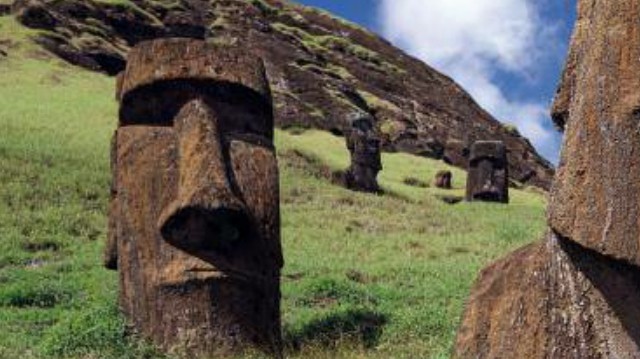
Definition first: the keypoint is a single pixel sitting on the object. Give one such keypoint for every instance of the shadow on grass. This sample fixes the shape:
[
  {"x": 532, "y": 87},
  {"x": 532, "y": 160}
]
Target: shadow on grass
[{"x": 358, "y": 326}]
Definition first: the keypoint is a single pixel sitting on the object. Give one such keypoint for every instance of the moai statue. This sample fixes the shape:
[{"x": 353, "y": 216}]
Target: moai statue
[
  {"x": 363, "y": 143},
  {"x": 443, "y": 179},
  {"x": 575, "y": 293},
  {"x": 194, "y": 216},
  {"x": 488, "y": 178}
]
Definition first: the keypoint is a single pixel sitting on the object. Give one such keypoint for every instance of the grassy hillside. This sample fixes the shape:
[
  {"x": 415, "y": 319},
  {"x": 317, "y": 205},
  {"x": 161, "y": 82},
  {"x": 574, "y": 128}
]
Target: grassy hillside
[{"x": 365, "y": 275}]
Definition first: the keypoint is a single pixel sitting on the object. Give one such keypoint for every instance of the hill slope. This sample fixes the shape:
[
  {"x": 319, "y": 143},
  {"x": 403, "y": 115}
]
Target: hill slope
[
  {"x": 365, "y": 275},
  {"x": 321, "y": 69}
]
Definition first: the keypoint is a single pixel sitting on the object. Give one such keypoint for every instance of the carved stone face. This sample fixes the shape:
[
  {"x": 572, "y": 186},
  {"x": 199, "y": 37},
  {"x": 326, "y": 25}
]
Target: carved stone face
[
  {"x": 487, "y": 178},
  {"x": 364, "y": 145},
  {"x": 197, "y": 214},
  {"x": 595, "y": 197}
]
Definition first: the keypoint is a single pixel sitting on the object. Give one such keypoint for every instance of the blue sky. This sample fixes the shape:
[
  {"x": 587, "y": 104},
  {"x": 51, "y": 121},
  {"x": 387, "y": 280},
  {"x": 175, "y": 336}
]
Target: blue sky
[{"x": 507, "y": 53}]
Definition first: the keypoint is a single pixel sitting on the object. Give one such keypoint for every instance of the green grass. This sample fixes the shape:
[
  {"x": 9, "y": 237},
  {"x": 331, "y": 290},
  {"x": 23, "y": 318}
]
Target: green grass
[{"x": 365, "y": 275}]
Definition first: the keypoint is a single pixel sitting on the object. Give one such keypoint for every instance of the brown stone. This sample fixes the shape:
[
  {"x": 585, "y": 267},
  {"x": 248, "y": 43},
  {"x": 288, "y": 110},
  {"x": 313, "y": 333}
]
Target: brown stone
[
  {"x": 575, "y": 294},
  {"x": 487, "y": 178},
  {"x": 195, "y": 207},
  {"x": 553, "y": 299},
  {"x": 363, "y": 143},
  {"x": 443, "y": 179},
  {"x": 596, "y": 196}
]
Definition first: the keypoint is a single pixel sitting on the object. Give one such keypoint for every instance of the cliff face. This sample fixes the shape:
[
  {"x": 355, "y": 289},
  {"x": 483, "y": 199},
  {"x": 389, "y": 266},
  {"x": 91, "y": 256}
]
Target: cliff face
[{"x": 322, "y": 69}]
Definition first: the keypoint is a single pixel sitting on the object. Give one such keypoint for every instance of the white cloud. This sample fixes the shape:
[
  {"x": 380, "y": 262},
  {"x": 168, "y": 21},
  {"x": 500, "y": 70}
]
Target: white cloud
[{"x": 473, "y": 41}]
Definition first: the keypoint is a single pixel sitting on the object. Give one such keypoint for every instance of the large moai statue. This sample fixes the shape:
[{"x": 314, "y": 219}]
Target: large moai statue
[
  {"x": 363, "y": 143},
  {"x": 195, "y": 204},
  {"x": 488, "y": 179},
  {"x": 576, "y": 293}
]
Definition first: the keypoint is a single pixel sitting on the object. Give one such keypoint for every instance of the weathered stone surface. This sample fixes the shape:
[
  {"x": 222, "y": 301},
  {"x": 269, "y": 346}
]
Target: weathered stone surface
[
  {"x": 553, "y": 299},
  {"x": 321, "y": 69},
  {"x": 364, "y": 146},
  {"x": 575, "y": 294},
  {"x": 487, "y": 178},
  {"x": 596, "y": 200},
  {"x": 443, "y": 179},
  {"x": 195, "y": 201}
]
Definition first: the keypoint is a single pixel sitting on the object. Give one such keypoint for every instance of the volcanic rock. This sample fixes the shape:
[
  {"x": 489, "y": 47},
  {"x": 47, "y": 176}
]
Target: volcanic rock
[
  {"x": 194, "y": 211},
  {"x": 321, "y": 69}
]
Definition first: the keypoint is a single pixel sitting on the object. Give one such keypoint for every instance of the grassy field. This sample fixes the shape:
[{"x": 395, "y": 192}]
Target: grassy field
[{"x": 365, "y": 275}]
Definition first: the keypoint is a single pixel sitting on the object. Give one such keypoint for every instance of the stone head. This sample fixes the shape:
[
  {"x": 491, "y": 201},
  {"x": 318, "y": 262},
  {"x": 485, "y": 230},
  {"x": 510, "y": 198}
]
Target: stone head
[
  {"x": 443, "y": 179},
  {"x": 595, "y": 197},
  {"x": 197, "y": 193},
  {"x": 363, "y": 143},
  {"x": 487, "y": 174}
]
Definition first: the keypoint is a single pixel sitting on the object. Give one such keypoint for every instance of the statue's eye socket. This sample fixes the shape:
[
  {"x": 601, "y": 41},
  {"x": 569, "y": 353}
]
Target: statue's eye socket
[{"x": 237, "y": 108}]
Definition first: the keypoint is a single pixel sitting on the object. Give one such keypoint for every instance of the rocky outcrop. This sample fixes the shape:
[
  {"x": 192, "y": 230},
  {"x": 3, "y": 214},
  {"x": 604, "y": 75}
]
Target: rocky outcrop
[
  {"x": 194, "y": 215},
  {"x": 321, "y": 69},
  {"x": 575, "y": 294}
]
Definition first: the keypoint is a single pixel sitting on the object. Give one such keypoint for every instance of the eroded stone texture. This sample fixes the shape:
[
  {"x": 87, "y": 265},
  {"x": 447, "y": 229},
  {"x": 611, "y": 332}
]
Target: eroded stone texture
[
  {"x": 443, "y": 179},
  {"x": 196, "y": 203},
  {"x": 364, "y": 146},
  {"x": 553, "y": 299},
  {"x": 576, "y": 293},
  {"x": 595, "y": 200},
  {"x": 487, "y": 178}
]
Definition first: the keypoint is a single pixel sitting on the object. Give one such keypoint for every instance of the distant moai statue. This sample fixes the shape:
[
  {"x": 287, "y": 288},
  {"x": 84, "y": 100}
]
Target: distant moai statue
[
  {"x": 194, "y": 214},
  {"x": 488, "y": 178},
  {"x": 443, "y": 179},
  {"x": 363, "y": 143}
]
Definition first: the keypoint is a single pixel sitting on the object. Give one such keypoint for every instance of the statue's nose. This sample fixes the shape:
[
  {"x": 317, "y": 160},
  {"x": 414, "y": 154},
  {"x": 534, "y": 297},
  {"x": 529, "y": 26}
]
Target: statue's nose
[{"x": 206, "y": 213}]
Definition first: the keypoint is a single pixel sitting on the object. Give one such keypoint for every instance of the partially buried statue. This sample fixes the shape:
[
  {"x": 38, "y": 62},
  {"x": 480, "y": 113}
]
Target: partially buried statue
[
  {"x": 443, "y": 179},
  {"x": 363, "y": 143},
  {"x": 488, "y": 179},
  {"x": 194, "y": 216},
  {"x": 575, "y": 294}
]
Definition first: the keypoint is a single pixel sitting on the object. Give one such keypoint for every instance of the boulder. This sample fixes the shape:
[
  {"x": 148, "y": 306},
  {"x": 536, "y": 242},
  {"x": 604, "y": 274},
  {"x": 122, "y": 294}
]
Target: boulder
[{"x": 194, "y": 214}]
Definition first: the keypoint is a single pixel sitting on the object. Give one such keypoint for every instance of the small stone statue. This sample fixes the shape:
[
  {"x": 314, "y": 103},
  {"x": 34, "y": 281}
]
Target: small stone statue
[
  {"x": 194, "y": 214},
  {"x": 364, "y": 145},
  {"x": 488, "y": 177},
  {"x": 443, "y": 179}
]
